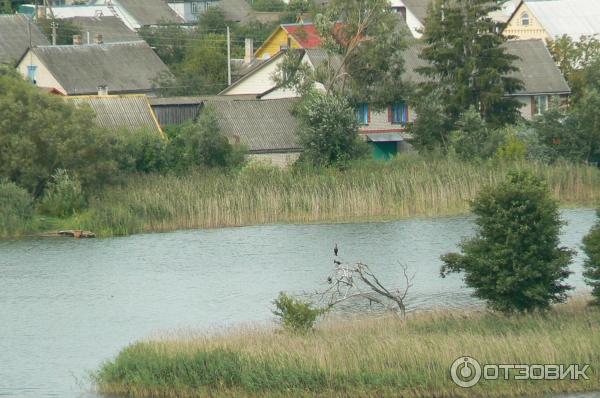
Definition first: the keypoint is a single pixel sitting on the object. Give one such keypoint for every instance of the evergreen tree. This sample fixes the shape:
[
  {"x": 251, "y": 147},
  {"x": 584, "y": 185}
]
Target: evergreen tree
[
  {"x": 514, "y": 262},
  {"x": 591, "y": 247},
  {"x": 468, "y": 62}
]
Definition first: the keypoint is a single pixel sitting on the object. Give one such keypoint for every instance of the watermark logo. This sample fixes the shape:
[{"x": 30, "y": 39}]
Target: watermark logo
[{"x": 467, "y": 372}]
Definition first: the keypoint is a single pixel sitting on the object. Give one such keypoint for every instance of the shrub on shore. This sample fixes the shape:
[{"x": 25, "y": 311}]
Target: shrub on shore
[
  {"x": 16, "y": 209},
  {"x": 514, "y": 262},
  {"x": 363, "y": 357},
  {"x": 63, "y": 196}
]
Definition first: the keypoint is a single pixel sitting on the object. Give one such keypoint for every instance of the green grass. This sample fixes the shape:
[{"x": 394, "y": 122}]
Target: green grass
[
  {"x": 409, "y": 186},
  {"x": 363, "y": 357}
]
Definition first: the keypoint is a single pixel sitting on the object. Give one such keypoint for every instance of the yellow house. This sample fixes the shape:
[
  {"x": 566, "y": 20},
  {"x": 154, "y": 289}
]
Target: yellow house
[
  {"x": 524, "y": 25},
  {"x": 299, "y": 35},
  {"x": 549, "y": 19}
]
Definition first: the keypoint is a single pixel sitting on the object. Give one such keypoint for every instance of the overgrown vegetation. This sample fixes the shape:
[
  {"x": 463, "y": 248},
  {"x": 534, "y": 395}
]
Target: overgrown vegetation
[
  {"x": 328, "y": 130},
  {"x": 295, "y": 315},
  {"x": 514, "y": 262},
  {"x": 363, "y": 357},
  {"x": 408, "y": 186},
  {"x": 16, "y": 209}
]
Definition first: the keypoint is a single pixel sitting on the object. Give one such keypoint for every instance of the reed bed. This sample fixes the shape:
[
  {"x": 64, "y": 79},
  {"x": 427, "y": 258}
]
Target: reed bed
[
  {"x": 409, "y": 186},
  {"x": 363, "y": 357}
]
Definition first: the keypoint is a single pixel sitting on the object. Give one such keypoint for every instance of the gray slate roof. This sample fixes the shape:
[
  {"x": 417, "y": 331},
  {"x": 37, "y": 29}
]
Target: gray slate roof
[
  {"x": 114, "y": 112},
  {"x": 124, "y": 67},
  {"x": 14, "y": 37},
  {"x": 264, "y": 126},
  {"x": 537, "y": 69},
  {"x": 112, "y": 29},
  {"x": 150, "y": 12}
]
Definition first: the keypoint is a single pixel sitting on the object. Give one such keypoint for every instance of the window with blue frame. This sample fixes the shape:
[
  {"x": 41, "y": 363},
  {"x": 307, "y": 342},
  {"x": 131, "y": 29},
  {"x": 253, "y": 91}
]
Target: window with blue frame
[
  {"x": 399, "y": 113},
  {"x": 32, "y": 73},
  {"x": 362, "y": 114}
]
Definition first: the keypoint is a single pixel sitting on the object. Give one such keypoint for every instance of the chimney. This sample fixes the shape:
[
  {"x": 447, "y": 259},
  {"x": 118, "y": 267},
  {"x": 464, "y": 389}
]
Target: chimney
[
  {"x": 103, "y": 90},
  {"x": 98, "y": 39},
  {"x": 249, "y": 53},
  {"x": 77, "y": 40}
]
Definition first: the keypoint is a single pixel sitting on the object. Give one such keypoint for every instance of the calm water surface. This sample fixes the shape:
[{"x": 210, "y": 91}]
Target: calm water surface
[{"x": 66, "y": 305}]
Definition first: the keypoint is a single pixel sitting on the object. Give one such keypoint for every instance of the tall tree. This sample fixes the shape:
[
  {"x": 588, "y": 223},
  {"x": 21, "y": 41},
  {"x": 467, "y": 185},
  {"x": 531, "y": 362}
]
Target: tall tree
[
  {"x": 468, "y": 62},
  {"x": 364, "y": 49},
  {"x": 578, "y": 61}
]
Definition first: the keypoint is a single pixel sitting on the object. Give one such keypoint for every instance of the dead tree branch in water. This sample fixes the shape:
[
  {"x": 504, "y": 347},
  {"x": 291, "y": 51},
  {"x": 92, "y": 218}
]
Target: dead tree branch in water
[{"x": 357, "y": 281}]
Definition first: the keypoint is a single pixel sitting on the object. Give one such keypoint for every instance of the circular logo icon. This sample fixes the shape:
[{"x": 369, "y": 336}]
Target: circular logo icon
[{"x": 465, "y": 372}]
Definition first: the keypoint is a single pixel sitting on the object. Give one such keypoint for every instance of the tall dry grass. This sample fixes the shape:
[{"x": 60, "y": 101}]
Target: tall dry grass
[
  {"x": 363, "y": 357},
  {"x": 406, "y": 187}
]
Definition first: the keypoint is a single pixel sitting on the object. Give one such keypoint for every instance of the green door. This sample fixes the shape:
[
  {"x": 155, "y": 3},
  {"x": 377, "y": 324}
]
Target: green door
[{"x": 384, "y": 150}]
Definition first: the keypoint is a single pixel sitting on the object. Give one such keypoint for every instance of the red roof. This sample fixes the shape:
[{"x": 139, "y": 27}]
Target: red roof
[{"x": 305, "y": 34}]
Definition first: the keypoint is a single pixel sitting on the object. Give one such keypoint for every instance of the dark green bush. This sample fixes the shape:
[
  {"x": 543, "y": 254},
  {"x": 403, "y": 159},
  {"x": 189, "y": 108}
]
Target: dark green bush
[
  {"x": 142, "y": 151},
  {"x": 515, "y": 262},
  {"x": 16, "y": 209},
  {"x": 591, "y": 247},
  {"x": 295, "y": 315}
]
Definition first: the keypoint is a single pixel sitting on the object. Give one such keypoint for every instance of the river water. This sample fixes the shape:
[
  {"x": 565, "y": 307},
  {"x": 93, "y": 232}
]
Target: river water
[{"x": 68, "y": 305}]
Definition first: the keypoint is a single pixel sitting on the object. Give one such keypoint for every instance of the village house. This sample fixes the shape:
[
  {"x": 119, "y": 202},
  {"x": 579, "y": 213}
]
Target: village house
[
  {"x": 133, "y": 13},
  {"x": 551, "y": 19},
  {"x": 15, "y": 38},
  {"x": 111, "y": 29},
  {"x": 121, "y": 112},
  {"x": 385, "y": 129},
  {"x": 116, "y": 68},
  {"x": 266, "y": 128},
  {"x": 189, "y": 10},
  {"x": 293, "y": 36}
]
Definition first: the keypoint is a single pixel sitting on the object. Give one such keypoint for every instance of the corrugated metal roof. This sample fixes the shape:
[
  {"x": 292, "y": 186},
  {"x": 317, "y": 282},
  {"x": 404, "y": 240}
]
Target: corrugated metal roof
[
  {"x": 574, "y": 18},
  {"x": 115, "y": 112},
  {"x": 112, "y": 29},
  {"x": 123, "y": 67},
  {"x": 14, "y": 37},
  {"x": 305, "y": 34},
  {"x": 262, "y": 125}
]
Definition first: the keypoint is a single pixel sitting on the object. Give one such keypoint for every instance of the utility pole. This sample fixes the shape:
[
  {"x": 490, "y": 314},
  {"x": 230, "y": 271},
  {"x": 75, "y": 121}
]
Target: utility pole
[
  {"x": 228, "y": 57},
  {"x": 54, "y": 25}
]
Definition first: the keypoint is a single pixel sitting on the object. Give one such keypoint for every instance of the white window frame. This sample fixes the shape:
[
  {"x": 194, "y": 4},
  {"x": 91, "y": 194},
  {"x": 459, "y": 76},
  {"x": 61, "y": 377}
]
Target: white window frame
[{"x": 541, "y": 104}]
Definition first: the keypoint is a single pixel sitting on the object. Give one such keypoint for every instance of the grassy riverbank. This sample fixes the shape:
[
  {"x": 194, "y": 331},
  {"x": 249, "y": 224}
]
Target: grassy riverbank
[
  {"x": 363, "y": 357},
  {"x": 409, "y": 186}
]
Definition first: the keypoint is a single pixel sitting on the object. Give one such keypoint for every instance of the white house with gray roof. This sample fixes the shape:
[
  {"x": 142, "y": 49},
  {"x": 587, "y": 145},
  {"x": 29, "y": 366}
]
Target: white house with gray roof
[{"x": 116, "y": 68}]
